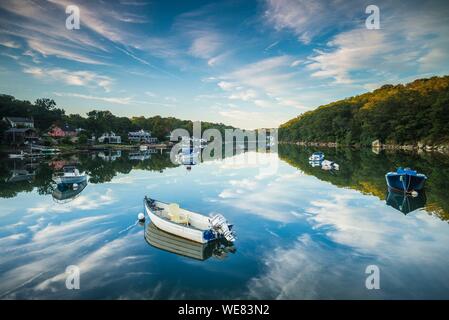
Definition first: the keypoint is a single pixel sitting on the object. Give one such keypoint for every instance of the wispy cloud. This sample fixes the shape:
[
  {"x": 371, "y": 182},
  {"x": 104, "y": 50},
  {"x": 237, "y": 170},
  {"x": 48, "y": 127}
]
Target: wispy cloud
[
  {"x": 115, "y": 100},
  {"x": 10, "y": 44},
  {"x": 76, "y": 78}
]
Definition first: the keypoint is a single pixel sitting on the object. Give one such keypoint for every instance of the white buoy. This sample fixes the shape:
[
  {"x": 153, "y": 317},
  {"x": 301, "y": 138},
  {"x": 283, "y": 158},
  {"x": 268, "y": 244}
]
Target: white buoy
[
  {"x": 75, "y": 186},
  {"x": 414, "y": 194},
  {"x": 141, "y": 217}
]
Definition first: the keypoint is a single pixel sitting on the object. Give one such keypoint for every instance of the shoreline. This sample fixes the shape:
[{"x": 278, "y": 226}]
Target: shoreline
[
  {"x": 73, "y": 149},
  {"x": 442, "y": 149}
]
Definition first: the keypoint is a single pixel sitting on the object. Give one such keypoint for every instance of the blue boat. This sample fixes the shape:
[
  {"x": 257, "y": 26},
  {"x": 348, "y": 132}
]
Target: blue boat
[
  {"x": 405, "y": 180},
  {"x": 405, "y": 202}
]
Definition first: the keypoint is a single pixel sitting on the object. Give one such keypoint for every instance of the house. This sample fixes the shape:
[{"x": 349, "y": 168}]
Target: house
[
  {"x": 20, "y": 136},
  {"x": 19, "y": 122},
  {"x": 141, "y": 136},
  {"x": 62, "y": 132},
  {"x": 111, "y": 138}
]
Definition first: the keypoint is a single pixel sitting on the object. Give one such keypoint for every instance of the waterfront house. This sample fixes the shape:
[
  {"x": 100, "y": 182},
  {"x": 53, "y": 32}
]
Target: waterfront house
[
  {"x": 141, "y": 137},
  {"x": 19, "y": 122},
  {"x": 20, "y": 136},
  {"x": 62, "y": 132},
  {"x": 111, "y": 138}
]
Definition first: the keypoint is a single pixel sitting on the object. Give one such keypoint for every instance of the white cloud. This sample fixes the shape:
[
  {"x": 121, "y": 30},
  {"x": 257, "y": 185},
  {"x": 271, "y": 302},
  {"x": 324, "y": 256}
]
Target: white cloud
[
  {"x": 9, "y": 44},
  {"x": 47, "y": 49},
  {"x": 83, "y": 202},
  {"x": 306, "y": 19},
  {"x": 115, "y": 100},
  {"x": 204, "y": 44},
  {"x": 75, "y": 78},
  {"x": 244, "y": 95}
]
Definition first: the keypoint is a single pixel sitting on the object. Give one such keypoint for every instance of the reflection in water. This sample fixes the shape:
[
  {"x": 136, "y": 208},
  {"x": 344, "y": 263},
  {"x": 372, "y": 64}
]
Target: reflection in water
[
  {"x": 365, "y": 171},
  {"x": 65, "y": 192},
  {"x": 303, "y": 232},
  {"x": 165, "y": 241},
  {"x": 406, "y": 203}
]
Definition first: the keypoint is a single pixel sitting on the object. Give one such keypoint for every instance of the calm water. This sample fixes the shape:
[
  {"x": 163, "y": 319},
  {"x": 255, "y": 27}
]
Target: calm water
[{"x": 302, "y": 232}]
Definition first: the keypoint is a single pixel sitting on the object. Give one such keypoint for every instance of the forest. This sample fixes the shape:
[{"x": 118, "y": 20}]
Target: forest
[
  {"x": 417, "y": 112},
  {"x": 46, "y": 113}
]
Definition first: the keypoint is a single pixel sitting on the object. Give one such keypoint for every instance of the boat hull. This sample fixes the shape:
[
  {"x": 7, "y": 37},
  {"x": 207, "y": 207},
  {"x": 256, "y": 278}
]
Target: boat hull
[
  {"x": 178, "y": 245},
  {"x": 405, "y": 182},
  {"x": 404, "y": 202},
  {"x": 69, "y": 180},
  {"x": 176, "y": 229}
]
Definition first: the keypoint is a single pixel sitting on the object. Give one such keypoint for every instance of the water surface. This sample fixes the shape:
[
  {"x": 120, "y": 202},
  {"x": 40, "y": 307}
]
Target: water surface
[{"x": 302, "y": 232}]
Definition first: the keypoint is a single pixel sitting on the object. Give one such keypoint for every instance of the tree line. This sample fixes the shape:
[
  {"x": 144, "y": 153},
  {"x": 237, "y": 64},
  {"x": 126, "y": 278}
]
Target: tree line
[
  {"x": 394, "y": 114},
  {"x": 46, "y": 113}
]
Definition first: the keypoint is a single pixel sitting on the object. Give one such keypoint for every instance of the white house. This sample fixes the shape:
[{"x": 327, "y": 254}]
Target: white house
[
  {"x": 141, "y": 136},
  {"x": 19, "y": 122},
  {"x": 110, "y": 137}
]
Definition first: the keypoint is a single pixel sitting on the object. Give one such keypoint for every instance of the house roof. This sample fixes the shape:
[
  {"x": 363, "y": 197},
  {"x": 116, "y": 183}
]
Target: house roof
[{"x": 19, "y": 119}]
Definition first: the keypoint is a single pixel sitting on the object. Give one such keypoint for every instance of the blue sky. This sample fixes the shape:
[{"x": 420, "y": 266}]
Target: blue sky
[{"x": 246, "y": 63}]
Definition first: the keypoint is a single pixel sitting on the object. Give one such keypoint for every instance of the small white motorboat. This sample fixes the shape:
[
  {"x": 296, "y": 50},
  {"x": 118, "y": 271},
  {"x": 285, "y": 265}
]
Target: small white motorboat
[
  {"x": 69, "y": 175},
  {"x": 20, "y": 155},
  {"x": 317, "y": 156},
  {"x": 187, "y": 224},
  {"x": 181, "y": 246},
  {"x": 329, "y": 165}
]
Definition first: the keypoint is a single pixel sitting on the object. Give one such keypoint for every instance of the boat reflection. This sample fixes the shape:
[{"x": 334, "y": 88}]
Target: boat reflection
[
  {"x": 405, "y": 202},
  {"x": 168, "y": 242},
  {"x": 66, "y": 192}
]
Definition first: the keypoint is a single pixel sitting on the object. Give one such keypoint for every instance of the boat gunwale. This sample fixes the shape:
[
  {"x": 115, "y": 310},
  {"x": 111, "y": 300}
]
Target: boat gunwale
[{"x": 188, "y": 226}]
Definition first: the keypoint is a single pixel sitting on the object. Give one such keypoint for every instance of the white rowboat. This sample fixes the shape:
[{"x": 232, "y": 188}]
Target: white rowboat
[{"x": 187, "y": 224}]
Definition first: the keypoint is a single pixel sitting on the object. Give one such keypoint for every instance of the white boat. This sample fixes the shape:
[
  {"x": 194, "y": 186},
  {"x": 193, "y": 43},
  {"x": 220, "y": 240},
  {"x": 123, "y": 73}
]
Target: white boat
[
  {"x": 69, "y": 175},
  {"x": 329, "y": 165},
  {"x": 187, "y": 224},
  {"x": 317, "y": 156},
  {"x": 20, "y": 155},
  {"x": 201, "y": 251}
]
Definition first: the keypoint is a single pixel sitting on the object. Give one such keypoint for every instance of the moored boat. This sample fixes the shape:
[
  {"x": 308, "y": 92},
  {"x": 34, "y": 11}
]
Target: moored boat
[
  {"x": 405, "y": 202},
  {"x": 184, "y": 247},
  {"x": 329, "y": 165},
  {"x": 67, "y": 192},
  {"x": 20, "y": 155},
  {"x": 317, "y": 156},
  {"x": 187, "y": 224},
  {"x": 405, "y": 180},
  {"x": 69, "y": 175}
]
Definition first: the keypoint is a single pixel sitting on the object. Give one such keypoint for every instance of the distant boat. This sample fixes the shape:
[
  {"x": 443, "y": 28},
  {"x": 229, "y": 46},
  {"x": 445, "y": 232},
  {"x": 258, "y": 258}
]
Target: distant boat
[
  {"x": 317, "y": 156},
  {"x": 20, "y": 155},
  {"x": 68, "y": 192},
  {"x": 187, "y": 224},
  {"x": 69, "y": 175},
  {"x": 329, "y": 165},
  {"x": 405, "y": 180},
  {"x": 188, "y": 156},
  {"x": 315, "y": 163},
  {"x": 184, "y": 247},
  {"x": 406, "y": 203}
]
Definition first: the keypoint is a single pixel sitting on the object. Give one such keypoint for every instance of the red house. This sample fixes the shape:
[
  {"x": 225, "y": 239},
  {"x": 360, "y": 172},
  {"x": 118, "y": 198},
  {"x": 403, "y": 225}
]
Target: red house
[{"x": 65, "y": 131}]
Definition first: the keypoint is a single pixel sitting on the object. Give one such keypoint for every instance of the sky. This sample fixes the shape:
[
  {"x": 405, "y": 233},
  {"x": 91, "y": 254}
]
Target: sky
[{"x": 251, "y": 64}]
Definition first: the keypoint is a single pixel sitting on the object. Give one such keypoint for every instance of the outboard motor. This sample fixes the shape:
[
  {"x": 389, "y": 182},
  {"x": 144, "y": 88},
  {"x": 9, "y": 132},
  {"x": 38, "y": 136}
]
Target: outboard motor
[{"x": 221, "y": 226}]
